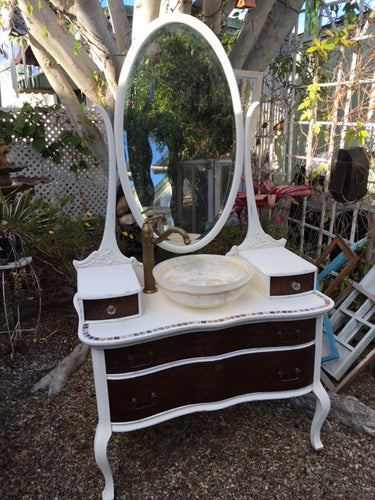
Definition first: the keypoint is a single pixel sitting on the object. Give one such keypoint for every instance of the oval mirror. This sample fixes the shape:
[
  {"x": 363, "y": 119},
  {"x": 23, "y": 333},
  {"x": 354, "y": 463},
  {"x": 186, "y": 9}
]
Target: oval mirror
[{"x": 179, "y": 130}]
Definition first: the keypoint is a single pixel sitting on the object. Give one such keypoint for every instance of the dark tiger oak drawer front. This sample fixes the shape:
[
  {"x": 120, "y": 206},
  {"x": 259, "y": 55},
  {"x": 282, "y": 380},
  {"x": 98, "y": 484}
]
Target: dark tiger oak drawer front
[
  {"x": 117, "y": 307},
  {"x": 208, "y": 343},
  {"x": 206, "y": 382},
  {"x": 291, "y": 285}
]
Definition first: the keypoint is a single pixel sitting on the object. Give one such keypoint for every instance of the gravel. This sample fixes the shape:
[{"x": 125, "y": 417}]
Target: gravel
[{"x": 259, "y": 450}]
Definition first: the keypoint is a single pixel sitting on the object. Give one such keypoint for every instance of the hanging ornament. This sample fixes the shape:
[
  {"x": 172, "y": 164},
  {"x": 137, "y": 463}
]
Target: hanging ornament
[{"x": 245, "y": 4}]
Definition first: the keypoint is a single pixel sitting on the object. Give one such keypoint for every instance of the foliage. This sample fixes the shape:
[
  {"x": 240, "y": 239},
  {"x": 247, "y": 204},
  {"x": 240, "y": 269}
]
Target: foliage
[
  {"x": 179, "y": 100},
  {"x": 29, "y": 125},
  {"x": 336, "y": 114},
  {"x": 180, "y": 96},
  {"x": 21, "y": 213},
  {"x": 231, "y": 234},
  {"x": 53, "y": 238},
  {"x": 68, "y": 239},
  {"x": 267, "y": 194},
  {"x": 356, "y": 135}
]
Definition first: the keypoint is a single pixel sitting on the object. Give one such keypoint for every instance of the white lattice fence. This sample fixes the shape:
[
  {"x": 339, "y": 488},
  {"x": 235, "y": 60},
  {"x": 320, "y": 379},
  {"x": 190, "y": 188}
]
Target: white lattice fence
[{"x": 86, "y": 189}]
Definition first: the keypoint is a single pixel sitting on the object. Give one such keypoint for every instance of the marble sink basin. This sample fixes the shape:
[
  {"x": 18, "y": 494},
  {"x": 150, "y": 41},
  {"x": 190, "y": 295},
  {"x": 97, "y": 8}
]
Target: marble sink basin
[{"x": 203, "y": 280}]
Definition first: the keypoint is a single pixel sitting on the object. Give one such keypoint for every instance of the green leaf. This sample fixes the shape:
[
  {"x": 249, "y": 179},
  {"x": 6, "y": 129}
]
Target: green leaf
[
  {"x": 306, "y": 115},
  {"x": 77, "y": 46},
  {"x": 329, "y": 33},
  {"x": 38, "y": 144},
  {"x": 45, "y": 32},
  {"x": 316, "y": 128},
  {"x": 39, "y": 5},
  {"x": 29, "y": 9}
]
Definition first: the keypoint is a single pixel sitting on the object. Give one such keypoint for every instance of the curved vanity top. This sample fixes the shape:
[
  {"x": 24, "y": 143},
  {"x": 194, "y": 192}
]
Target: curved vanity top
[{"x": 160, "y": 317}]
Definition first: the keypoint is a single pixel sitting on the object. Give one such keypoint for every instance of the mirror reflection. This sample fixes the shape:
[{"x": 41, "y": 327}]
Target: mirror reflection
[{"x": 179, "y": 129}]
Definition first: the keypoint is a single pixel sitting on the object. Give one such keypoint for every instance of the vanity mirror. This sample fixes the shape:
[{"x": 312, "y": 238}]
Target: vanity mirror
[
  {"x": 180, "y": 147},
  {"x": 179, "y": 130}
]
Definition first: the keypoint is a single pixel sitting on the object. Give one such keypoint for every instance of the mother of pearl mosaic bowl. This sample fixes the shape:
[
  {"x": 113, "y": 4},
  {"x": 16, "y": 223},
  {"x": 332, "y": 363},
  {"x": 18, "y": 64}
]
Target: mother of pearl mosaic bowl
[{"x": 204, "y": 280}]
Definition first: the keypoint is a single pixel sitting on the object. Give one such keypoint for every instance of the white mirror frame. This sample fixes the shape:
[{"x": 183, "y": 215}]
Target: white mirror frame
[{"x": 124, "y": 78}]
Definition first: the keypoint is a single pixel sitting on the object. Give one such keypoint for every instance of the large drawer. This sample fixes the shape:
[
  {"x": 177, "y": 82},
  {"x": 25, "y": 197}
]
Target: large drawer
[
  {"x": 140, "y": 397},
  {"x": 208, "y": 343}
]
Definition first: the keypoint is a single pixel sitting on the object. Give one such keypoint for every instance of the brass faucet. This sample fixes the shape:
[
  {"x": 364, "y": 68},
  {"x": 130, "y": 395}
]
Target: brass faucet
[{"x": 148, "y": 242}]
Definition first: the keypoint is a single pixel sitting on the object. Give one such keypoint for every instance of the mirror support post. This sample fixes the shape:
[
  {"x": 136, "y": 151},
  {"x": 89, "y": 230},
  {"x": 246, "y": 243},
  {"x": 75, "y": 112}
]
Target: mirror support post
[{"x": 148, "y": 242}]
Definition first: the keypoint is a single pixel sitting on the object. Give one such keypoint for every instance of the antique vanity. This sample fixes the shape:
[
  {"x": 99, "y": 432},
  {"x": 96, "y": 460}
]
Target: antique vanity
[{"x": 220, "y": 330}]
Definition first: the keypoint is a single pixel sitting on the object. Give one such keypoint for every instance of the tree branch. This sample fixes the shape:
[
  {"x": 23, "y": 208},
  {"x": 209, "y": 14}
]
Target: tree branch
[
  {"x": 274, "y": 31},
  {"x": 61, "y": 46},
  {"x": 57, "y": 80},
  {"x": 94, "y": 26},
  {"x": 55, "y": 380},
  {"x": 250, "y": 31},
  {"x": 120, "y": 24}
]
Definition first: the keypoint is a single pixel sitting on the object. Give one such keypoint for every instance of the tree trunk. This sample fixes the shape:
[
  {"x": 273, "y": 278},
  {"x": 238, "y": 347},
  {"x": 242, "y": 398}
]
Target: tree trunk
[
  {"x": 120, "y": 25},
  {"x": 61, "y": 46},
  {"x": 57, "y": 80},
  {"x": 212, "y": 14},
  {"x": 274, "y": 31},
  {"x": 90, "y": 21},
  {"x": 263, "y": 32},
  {"x": 181, "y": 6},
  {"x": 346, "y": 409},
  {"x": 249, "y": 33},
  {"x": 56, "y": 379},
  {"x": 144, "y": 12}
]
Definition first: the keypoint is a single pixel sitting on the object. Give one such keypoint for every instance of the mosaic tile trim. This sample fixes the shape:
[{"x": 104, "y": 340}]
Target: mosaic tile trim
[{"x": 184, "y": 324}]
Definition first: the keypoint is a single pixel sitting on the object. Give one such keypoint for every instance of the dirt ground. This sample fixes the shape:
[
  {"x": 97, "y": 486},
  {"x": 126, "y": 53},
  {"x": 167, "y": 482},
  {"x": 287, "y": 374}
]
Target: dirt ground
[{"x": 259, "y": 450}]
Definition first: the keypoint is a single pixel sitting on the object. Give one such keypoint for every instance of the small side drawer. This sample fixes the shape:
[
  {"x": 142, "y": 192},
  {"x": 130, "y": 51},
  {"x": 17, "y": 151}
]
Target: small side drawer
[
  {"x": 117, "y": 307},
  {"x": 207, "y": 382},
  {"x": 291, "y": 285},
  {"x": 209, "y": 343}
]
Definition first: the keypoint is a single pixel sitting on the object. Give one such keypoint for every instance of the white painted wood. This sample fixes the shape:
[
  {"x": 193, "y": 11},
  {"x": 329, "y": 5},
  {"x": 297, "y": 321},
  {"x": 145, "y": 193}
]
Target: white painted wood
[
  {"x": 161, "y": 317},
  {"x": 273, "y": 261},
  {"x": 104, "y": 429},
  {"x": 107, "y": 274},
  {"x": 356, "y": 323},
  {"x": 126, "y": 74}
]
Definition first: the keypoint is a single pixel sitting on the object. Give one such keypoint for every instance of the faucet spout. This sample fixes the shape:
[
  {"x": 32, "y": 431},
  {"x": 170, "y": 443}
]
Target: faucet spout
[
  {"x": 171, "y": 230},
  {"x": 148, "y": 242}
]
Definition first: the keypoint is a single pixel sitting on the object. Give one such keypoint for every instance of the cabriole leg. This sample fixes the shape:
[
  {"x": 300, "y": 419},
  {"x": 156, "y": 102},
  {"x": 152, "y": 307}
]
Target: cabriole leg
[
  {"x": 322, "y": 408},
  {"x": 102, "y": 436}
]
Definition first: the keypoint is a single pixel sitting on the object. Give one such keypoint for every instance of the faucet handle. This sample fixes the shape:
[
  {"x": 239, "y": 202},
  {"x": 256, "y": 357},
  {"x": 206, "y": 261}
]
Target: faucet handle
[{"x": 154, "y": 214}]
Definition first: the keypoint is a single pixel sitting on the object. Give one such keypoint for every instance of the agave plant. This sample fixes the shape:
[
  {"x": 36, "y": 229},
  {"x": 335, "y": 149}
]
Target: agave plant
[{"x": 20, "y": 216}]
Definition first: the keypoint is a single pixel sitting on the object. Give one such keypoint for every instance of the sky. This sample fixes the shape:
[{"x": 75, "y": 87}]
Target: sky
[{"x": 126, "y": 2}]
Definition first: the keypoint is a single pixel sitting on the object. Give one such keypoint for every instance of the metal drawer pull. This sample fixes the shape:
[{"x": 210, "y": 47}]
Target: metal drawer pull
[
  {"x": 111, "y": 310},
  {"x": 296, "y": 377},
  {"x": 138, "y": 406},
  {"x": 293, "y": 336},
  {"x": 296, "y": 286},
  {"x": 141, "y": 364}
]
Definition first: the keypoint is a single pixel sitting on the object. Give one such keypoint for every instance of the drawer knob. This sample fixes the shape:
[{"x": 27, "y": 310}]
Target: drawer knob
[
  {"x": 111, "y": 310},
  {"x": 296, "y": 286}
]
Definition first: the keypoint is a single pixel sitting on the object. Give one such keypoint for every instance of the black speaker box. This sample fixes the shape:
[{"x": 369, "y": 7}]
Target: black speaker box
[{"x": 349, "y": 174}]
